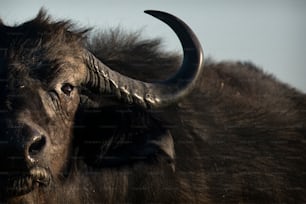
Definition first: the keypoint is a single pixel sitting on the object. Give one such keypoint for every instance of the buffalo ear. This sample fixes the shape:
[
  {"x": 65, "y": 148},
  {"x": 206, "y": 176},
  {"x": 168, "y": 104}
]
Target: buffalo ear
[
  {"x": 117, "y": 136},
  {"x": 159, "y": 148}
]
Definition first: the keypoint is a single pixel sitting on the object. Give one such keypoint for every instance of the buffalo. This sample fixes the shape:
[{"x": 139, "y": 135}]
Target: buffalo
[{"x": 112, "y": 118}]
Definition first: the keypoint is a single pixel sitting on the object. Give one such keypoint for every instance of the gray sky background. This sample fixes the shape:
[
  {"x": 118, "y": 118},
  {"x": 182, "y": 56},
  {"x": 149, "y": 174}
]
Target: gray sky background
[{"x": 269, "y": 33}]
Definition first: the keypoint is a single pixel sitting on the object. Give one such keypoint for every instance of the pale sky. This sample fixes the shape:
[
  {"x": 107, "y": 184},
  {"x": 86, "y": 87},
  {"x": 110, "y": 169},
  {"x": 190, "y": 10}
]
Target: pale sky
[{"x": 269, "y": 33}]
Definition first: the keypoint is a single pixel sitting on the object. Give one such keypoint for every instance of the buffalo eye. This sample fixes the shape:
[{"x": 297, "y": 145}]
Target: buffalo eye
[{"x": 67, "y": 89}]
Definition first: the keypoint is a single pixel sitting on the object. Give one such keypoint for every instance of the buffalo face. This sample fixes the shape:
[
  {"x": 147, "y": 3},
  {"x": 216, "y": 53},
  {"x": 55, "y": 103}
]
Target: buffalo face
[{"x": 39, "y": 98}]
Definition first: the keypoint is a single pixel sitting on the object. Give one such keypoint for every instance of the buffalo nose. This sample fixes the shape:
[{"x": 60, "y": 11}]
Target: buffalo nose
[
  {"x": 35, "y": 147},
  {"x": 24, "y": 146},
  {"x": 33, "y": 143}
]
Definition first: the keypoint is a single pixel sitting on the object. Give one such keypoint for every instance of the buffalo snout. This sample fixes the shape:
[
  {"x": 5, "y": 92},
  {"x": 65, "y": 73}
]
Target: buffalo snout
[{"x": 24, "y": 146}]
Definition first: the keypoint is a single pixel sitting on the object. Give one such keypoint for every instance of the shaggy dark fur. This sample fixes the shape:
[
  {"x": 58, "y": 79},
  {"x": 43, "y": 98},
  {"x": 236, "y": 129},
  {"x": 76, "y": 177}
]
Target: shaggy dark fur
[{"x": 239, "y": 137}]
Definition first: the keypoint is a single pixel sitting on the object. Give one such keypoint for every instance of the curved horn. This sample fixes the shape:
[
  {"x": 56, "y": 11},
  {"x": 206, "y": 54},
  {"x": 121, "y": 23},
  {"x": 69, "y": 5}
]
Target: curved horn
[{"x": 147, "y": 94}]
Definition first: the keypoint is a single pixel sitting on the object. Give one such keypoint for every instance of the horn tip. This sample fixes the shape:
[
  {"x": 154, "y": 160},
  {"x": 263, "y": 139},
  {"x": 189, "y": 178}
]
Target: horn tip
[{"x": 154, "y": 12}]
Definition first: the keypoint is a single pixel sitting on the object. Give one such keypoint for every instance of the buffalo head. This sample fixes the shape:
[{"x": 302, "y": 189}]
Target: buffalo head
[{"x": 47, "y": 74}]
